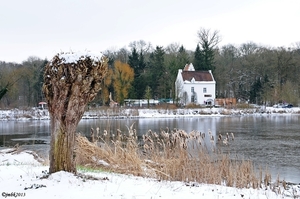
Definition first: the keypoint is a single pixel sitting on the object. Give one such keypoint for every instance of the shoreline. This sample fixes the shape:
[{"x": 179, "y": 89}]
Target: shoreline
[{"x": 124, "y": 113}]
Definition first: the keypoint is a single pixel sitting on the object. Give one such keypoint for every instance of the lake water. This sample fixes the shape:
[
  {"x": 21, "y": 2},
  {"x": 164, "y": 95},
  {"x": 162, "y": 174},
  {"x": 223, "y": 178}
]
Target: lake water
[{"x": 271, "y": 141}]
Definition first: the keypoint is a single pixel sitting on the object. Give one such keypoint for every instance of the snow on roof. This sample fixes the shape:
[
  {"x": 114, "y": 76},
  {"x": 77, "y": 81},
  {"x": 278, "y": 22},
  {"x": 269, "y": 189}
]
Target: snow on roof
[{"x": 73, "y": 57}]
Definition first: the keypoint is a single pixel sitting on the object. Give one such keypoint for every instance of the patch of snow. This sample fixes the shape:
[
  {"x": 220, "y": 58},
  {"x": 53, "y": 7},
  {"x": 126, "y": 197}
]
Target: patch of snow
[
  {"x": 73, "y": 57},
  {"x": 33, "y": 181},
  {"x": 10, "y": 157},
  {"x": 100, "y": 162}
]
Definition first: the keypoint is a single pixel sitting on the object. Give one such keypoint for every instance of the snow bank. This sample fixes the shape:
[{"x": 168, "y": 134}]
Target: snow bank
[
  {"x": 30, "y": 179},
  {"x": 14, "y": 157}
]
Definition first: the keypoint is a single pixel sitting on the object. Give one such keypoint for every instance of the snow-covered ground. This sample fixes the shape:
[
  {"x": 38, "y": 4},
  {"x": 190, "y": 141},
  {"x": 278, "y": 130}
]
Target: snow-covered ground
[
  {"x": 22, "y": 176},
  {"x": 16, "y": 114}
]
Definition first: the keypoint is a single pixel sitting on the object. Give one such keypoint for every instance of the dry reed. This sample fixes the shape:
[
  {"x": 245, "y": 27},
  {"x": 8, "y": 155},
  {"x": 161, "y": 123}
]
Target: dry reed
[{"x": 169, "y": 155}]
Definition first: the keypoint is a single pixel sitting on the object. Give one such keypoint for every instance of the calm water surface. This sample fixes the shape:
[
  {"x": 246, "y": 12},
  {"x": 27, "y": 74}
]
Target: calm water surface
[{"x": 269, "y": 141}]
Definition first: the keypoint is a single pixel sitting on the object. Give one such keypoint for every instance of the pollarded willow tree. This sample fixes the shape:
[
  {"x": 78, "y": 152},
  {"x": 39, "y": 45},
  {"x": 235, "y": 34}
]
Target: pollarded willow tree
[{"x": 71, "y": 80}]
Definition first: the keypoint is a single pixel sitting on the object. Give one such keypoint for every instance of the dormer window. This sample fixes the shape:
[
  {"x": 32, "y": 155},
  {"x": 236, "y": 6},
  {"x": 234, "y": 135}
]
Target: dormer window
[{"x": 193, "y": 80}]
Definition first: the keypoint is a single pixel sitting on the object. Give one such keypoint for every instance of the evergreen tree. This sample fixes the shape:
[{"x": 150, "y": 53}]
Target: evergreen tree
[
  {"x": 133, "y": 61},
  {"x": 3, "y": 91},
  {"x": 175, "y": 61},
  {"x": 183, "y": 57},
  {"x": 208, "y": 42},
  {"x": 136, "y": 61},
  {"x": 157, "y": 67},
  {"x": 141, "y": 83},
  {"x": 142, "y": 63},
  {"x": 255, "y": 92},
  {"x": 198, "y": 59},
  {"x": 208, "y": 58}
]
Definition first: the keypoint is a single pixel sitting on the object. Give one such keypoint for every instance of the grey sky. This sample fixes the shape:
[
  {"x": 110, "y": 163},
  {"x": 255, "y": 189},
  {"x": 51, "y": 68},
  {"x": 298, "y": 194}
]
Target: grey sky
[{"x": 45, "y": 27}]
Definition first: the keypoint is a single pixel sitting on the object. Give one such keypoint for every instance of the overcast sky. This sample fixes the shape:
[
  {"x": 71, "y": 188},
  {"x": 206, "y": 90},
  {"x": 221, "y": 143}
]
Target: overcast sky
[{"x": 43, "y": 28}]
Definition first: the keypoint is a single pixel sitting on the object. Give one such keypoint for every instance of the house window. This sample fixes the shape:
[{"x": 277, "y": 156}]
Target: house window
[
  {"x": 193, "y": 98},
  {"x": 192, "y": 89},
  {"x": 204, "y": 90}
]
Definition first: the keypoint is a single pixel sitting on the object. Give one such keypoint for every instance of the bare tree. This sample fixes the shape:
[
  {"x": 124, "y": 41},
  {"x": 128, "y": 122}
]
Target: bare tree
[
  {"x": 173, "y": 48},
  {"x": 208, "y": 42},
  {"x": 141, "y": 46},
  {"x": 122, "y": 55},
  {"x": 209, "y": 38},
  {"x": 71, "y": 80}
]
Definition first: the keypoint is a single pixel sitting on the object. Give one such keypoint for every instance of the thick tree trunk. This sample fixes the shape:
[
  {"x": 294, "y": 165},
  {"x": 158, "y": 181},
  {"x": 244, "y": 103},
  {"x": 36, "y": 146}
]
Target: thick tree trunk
[
  {"x": 62, "y": 154},
  {"x": 65, "y": 116},
  {"x": 70, "y": 82}
]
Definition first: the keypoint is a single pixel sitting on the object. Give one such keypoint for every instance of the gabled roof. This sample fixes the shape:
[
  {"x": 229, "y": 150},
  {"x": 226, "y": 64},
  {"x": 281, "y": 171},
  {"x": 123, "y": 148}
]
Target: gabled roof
[
  {"x": 197, "y": 75},
  {"x": 189, "y": 67}
]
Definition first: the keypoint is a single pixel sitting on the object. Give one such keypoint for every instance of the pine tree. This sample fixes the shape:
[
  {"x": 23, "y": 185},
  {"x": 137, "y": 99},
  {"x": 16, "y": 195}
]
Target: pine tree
[
  {"x": 183, "y": 57},
  {"x": 142, "y": 63},
  {"x": 208, "y": 41},
  {"x": 198, "y": 58},
  {"x": 136, "y": 61},
  {"x": 133, "y": 61},
  {"x": 140, "y": 84},
  {"x": 208, "y": 57},
  {"x": 157, "y": 68}
]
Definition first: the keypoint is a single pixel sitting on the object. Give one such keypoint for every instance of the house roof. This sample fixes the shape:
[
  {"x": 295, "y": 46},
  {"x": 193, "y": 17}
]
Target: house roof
[
  {"x": 189, "y": 67},
  {"x": 197, "y": 75}
]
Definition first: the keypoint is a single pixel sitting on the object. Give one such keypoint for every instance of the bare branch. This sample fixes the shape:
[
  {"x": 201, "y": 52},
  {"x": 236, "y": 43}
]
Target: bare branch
[{"x": 206, "y": 37}]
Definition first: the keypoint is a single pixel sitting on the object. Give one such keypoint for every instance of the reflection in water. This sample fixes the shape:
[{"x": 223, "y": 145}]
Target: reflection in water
[{"x": 272, "y": 141}]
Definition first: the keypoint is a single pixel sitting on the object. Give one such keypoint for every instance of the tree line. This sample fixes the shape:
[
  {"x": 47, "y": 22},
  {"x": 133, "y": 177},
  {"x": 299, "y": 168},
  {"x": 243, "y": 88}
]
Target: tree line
[{"x": 248, "y": 72}]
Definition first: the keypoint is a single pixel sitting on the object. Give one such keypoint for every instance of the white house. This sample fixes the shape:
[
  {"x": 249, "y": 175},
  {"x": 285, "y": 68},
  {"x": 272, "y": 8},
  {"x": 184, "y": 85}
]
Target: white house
[{"x": 197, "y": 87}]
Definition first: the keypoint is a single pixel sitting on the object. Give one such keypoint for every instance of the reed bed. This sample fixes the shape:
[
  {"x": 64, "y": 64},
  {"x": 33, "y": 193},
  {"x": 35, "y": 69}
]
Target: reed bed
[{"x": 168, "y": 155}]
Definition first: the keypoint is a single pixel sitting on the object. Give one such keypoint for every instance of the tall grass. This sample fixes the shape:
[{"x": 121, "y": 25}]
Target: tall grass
[{"x": 169, "y": 155}]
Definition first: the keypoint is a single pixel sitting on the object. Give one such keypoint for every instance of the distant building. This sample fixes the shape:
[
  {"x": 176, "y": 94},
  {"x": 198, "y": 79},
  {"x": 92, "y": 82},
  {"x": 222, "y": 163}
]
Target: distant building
[
  {"x": 42, "y": 105},
  {"x": 197, "y": 87}
]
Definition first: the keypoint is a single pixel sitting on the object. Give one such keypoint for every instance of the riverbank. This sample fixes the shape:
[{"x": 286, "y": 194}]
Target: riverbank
[
  {"x": 23, "y": 174},
  {"x": 37, "y": 114}
]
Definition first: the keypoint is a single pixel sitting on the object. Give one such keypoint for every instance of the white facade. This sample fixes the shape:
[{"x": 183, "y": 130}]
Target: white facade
[{"x": 197, "y": 87}]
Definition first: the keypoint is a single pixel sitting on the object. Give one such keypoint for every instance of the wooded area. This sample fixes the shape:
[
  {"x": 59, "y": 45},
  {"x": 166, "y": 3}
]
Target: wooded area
[{"x": 248, "y": 72}]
